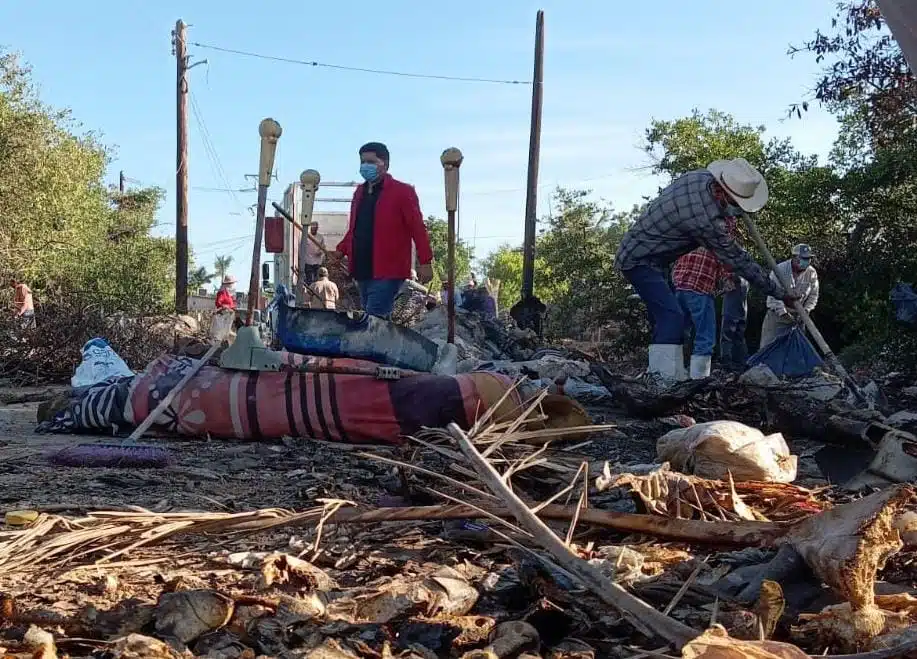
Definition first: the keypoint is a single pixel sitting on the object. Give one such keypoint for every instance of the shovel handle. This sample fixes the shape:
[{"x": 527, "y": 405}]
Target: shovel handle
[
  {"x": 787, "y": 285},
  {"x": 289, "y": 218}
]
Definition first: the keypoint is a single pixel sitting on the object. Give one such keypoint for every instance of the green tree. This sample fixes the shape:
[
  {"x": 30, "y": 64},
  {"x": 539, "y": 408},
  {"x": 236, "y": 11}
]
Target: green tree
[
  {"x": 198, "y": 276},
  {"x": 578, "y": 250},
  {"x": 52, "y": 201},
  {"x": 221, "y": 265},
  {"x": 505, "y": 265},
  {"x": 863, "y": 67},
  {"x": 438, "y": 230},
  {"x": 693, "y": 142},
  {"x": 61, "y": 229}
]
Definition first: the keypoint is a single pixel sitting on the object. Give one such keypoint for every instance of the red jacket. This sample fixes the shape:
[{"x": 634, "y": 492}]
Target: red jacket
[
  {"x": 398, "y": 222},
  {"x": 225, "y": 300}
]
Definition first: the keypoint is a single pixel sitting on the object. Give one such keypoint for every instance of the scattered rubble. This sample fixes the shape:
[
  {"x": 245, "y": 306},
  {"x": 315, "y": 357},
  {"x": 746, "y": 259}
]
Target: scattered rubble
[{"x": 694, "y": 521}]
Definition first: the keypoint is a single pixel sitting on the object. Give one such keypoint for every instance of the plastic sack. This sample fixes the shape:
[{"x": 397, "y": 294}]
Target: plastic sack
[
  {"x": 904, "y": 301},
  {"x": 718, "y": 448},
  {"x": 790, "y": 354},
  {"x": 221, "y": 325},
  {"x": 100, "y": 362}
]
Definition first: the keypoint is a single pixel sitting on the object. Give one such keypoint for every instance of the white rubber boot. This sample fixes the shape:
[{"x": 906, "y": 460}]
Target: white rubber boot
[
  {"x": 667, "y": 363},
  {"x": 700, "y": 366}
]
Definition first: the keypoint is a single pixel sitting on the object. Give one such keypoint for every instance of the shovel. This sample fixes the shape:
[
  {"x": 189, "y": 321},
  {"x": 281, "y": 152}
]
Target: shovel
[{"x": 826, "y": 351}]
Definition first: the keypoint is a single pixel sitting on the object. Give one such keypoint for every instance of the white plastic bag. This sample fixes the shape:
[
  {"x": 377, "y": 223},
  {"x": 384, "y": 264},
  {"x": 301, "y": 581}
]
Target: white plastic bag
[
  {"x": 719, "y": 448},
  {"x": 100, "y": 362},
  {"x": 221, "y": 325}
]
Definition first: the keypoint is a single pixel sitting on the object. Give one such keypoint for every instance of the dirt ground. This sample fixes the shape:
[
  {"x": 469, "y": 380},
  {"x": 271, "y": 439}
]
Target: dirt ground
[
  {"x": 224, "y": 474},
  {"x": 87, "y": 603}
]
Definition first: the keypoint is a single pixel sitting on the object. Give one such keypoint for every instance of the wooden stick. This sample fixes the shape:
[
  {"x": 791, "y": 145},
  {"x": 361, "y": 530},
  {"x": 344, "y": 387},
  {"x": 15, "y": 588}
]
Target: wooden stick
[
  {"x": 169, "y": 397},
  {"x": 289, "y": 218},
  {"x": 638, "y": 613},
  {"x": 721, "y": 534}
]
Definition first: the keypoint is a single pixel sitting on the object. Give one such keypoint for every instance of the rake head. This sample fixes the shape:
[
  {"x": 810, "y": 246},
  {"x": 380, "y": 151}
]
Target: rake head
[{"x": 137, "y": 456}]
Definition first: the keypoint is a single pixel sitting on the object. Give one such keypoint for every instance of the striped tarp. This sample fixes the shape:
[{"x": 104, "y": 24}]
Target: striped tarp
[{"x": 345, "y": 408}]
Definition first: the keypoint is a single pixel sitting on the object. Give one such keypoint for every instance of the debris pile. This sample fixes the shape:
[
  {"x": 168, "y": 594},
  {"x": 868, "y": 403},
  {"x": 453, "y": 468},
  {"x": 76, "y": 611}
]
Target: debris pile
[
  {"x": 488, "y": 542},
  {"x": 695, "y": 521},
  {"x": 50, "y": 351}
]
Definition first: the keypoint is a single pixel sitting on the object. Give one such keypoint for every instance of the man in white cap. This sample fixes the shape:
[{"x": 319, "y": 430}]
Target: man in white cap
[
  {"x": 779, "y": 319},
  {"x": 691, "y": 212},
  {"x": 326, "y": 289}
]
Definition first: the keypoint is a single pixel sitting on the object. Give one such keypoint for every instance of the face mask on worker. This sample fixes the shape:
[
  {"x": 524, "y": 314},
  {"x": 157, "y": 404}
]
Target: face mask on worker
[
  {"x": 803, "y": 264},
  {"x": 369, "y": 171}
]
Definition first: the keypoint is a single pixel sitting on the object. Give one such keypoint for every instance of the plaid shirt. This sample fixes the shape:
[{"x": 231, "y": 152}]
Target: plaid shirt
[
  {"x": 697, "y": 271},
  {"x": 687, "y": 215},
  {"x": 700, "y": 271}
]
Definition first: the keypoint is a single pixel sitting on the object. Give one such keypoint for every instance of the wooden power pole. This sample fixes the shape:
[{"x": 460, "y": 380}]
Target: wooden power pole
[
  {"x": 181, "y": 168},
  {"x": 529, "y": 310}
]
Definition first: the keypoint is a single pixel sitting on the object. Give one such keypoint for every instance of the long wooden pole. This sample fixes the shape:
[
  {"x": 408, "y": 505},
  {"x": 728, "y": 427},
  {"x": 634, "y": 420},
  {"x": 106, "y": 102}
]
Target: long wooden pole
[
  {"x": 531, "y": 192},
  {"x": 181, "y": 170}
]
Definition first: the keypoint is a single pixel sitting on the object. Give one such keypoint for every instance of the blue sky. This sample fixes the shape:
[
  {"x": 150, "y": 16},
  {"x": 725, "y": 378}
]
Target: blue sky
[{"x": 610, "y": 67}]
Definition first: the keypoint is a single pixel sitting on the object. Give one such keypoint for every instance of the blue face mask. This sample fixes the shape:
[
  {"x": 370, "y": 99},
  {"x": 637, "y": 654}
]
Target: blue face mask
[
  {"x": 803, "y": 264},
  {"x": 733, "y": 211},
  {"x": 369, "y": 171}
]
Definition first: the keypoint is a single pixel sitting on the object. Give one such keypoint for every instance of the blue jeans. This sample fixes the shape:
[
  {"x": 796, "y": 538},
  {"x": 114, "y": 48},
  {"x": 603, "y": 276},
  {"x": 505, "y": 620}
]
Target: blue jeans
[
  {"x": 702, "y": 310},
  {"x": 733, "y": 347},
  {"x": 666, "y": 316},
  {"x": 378, "y": 295}
]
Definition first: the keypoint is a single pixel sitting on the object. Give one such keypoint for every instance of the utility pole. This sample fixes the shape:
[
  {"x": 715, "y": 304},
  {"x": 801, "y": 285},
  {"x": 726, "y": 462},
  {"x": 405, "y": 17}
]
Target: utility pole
[
  {"x": 121, "y": 181},
  {"x": 181, "y": 168},
  {"x": 529, "y": 310}
]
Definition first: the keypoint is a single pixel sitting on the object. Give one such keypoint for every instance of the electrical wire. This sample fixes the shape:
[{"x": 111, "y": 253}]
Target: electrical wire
[
  {"x": 358, "y": 69},
  {"x": 210, "y": 150}
]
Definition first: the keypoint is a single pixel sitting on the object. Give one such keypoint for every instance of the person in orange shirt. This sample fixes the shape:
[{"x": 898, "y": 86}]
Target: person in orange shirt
[{"x": 23, "y": 303}]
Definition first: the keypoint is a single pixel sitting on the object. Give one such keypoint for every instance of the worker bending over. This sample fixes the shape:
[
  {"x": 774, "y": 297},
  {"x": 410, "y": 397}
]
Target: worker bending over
[
  {"x": 779, "y": 319},
  {"x": 691, "y": 212}
]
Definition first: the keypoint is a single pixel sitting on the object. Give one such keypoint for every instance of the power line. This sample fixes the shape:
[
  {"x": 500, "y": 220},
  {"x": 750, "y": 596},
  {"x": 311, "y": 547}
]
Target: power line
[
  {"x": 210, "y": 150},
  {"x": 359, "y": 69}
]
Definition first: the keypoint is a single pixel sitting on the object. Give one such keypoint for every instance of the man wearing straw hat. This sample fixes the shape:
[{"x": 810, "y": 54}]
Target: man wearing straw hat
[
  {"x": 691, "y": 212},
  {"x": 225, "y": 297}
]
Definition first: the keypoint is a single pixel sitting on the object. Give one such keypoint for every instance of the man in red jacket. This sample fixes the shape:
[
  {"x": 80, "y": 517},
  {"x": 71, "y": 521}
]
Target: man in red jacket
[{"x": 385, "y": 219}]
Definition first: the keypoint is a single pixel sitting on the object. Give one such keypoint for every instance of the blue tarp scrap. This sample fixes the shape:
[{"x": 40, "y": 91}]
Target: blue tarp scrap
[
  {"x": 904, "y": 301},
  {"x": 791, "y": 354}
]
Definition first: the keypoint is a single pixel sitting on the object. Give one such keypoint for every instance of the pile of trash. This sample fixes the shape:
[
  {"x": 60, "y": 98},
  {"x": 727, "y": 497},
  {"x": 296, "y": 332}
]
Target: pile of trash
[
  {"x": 49, "y": 351},
  {"x": 486, "y": 515},
  {"x": 495, "y": 545}
]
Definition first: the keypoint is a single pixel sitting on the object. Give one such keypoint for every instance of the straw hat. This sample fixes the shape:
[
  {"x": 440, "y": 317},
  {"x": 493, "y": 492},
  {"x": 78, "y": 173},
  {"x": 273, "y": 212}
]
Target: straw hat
[
  {"x": 742, "y": 182},
  {"x": 228, "y": 280}
]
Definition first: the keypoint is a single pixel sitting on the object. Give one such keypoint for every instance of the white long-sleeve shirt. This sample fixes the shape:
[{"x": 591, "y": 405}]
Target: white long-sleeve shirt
[
  {"x": 805, "y": 284},
  {"x": 314, "y": 253}
]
